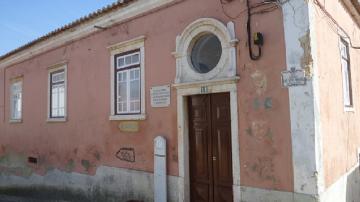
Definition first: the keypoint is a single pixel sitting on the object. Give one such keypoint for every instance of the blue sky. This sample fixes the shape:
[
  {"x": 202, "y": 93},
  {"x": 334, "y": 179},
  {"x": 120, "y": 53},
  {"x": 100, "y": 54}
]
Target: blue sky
[{"x": 22, "y": 21}]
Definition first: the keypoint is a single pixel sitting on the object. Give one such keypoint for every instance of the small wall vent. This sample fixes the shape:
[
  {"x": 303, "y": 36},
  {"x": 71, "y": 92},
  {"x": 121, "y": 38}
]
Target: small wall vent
[{"x": 32, "y": 160}]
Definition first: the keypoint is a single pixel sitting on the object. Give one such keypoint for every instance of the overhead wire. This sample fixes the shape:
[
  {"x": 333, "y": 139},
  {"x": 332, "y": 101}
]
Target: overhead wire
[
  {"x": 259, "y": 8},
  {"x": 255, "y": 6},
  {"x": 248, "y": 28},
  {"x": 339, "y": 30},
  {"x": 267, "y": 6}
]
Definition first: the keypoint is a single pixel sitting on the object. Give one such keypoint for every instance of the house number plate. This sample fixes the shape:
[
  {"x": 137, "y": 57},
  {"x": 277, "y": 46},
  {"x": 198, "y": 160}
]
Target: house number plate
[{"x": 204, "y": 90}]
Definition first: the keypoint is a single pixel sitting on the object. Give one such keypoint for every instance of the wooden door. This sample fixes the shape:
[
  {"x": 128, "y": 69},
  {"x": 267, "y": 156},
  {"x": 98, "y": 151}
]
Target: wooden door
[{"x": 210, "y": 148}]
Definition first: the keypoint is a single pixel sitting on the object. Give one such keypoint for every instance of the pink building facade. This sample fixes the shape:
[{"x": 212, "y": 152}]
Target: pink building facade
[{"x": 80, "y": 107}]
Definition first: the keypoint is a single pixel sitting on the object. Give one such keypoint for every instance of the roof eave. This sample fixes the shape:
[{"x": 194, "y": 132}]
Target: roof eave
[
  {"x": 85, "y": 19},
  {"x": 353, "y": 7},
  {"x": 130, "y": 9}
]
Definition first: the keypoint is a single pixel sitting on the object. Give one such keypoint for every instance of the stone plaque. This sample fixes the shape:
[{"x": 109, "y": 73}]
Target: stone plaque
[
  {"x": 294, "y": 77},
  {"x": 160, "y": 96},
  {"x": 129, "y": 126}
]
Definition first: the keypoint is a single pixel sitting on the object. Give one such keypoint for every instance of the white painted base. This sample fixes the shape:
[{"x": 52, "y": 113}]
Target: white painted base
[
  {"x": 121, "y": 183},
  {"x": 250, "y": 194},
  {"x": 125, "y": 184},
  {"x": 346, "y": 189}
]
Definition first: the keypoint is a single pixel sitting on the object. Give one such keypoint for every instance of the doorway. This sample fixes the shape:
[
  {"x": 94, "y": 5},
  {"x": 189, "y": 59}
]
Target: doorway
[{"x": 210, "y": 153}]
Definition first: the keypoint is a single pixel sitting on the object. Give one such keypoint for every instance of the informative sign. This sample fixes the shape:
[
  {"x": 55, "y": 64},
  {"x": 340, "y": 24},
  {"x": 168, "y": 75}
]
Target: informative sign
[
  {"x": 160, "y": 96},
  {"x": 294, "y": 77}
]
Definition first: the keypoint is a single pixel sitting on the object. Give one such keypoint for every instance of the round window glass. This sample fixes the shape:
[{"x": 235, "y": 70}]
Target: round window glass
[{"x": 206, "y": 53}]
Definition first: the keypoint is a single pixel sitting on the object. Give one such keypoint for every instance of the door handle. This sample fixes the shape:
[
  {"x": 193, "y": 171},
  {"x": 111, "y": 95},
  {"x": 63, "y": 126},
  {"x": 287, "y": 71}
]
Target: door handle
[{"x": 214, "y": 158}]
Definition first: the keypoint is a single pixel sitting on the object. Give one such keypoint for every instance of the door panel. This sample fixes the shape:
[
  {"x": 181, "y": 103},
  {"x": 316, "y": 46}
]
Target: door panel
[
  {"x": 200, "y": 170},
  {"x": 210, "y": 148}
]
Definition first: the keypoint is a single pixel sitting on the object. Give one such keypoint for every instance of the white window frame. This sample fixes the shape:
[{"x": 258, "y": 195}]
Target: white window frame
[
  {"x": 119, "y": 48},
  {"x": 127, "y": 70},
  {"x": 348, "y": 99},
  {"x": 52, "y": 69},
  {"x": 17, "y": 81}
]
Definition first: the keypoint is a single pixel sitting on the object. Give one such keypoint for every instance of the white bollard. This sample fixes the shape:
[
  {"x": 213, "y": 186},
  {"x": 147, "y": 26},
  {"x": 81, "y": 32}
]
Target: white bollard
[{"x": 160, "y": 192}]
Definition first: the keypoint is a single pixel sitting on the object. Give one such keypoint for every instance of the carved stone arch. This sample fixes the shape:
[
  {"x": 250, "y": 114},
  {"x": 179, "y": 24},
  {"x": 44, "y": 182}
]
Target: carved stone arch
[{"x": 226, "y": 67}]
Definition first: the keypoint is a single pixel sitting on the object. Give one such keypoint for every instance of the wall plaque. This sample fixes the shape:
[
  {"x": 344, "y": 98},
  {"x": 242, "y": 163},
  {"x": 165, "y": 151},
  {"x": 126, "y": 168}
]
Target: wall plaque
[
  {"x": 129, "y": 126},
  {"x": 160, "y": 96},
  {"x": 294, "y": 77}
]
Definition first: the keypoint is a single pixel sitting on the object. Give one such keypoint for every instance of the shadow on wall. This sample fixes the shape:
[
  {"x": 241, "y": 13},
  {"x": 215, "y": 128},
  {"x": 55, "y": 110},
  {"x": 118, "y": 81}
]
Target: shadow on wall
[{"x": 353, "y": 186}]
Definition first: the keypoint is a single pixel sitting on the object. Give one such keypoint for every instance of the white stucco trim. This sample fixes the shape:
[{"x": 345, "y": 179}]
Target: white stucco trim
[
  {"x": 56, "y": 120},
  {"x": 341, "y": 40},
  {"x": 227, "y": 85},
  {"x": 317, "y": 102},
  {"x": 12, "y": 121},
  {"x": 20, "y": 82},
  {"x": 130, "y": 117},
  {"x": 121, "y": 47},
  {"x": 123, "y": 14},
  {"x": 226, "y": 66},
  {"x": 300, "y": 34}
]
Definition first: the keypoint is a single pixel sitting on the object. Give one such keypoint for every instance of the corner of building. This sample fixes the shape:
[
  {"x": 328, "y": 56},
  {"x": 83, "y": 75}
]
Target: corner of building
[{"x": 301, "y": 50}]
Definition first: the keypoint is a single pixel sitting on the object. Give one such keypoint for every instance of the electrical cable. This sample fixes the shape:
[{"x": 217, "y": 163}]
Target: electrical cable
[
  {"x": 255, "y": 6},
  {"x": 266, "y": 10},
  {"x": 248, "y": 28},
  {"x": 323, "y": 9},
  {"x": 254, "y": 9}
]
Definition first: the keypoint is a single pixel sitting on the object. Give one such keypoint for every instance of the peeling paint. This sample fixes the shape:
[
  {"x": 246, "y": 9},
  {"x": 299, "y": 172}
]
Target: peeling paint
[
  {"x": 259, "y": 103},
  {"x": 300, "y": 53},
  {"x": 268, "y": 104},
  {"x": 2, "y": 149},
  {"x": 263, "y": 168},
  {"x": 249, "y": 131},
  {"x": 16, "y": 164},
  {"x": 70, "y": 165},
  {"x": 97, "y": 155},
  {"x": 306, "y": 59},
  {"x": 260, "y": 81},
  {"x": 175, "y": 158},
  {"x": 108, "y": 184},
  {"x": 269, "y": 134},
  {"x": 259, "y": 130},
  {"x": 256, "y": 104},
  {"x": 86, "y": 164}
]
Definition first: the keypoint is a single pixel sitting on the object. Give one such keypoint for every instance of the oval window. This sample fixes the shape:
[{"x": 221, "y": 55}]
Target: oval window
[{"x": 206, "y": 53}]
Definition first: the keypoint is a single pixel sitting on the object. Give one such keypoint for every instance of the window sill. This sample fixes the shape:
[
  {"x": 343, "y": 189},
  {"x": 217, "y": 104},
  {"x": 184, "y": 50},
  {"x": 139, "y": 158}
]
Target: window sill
[
  {"x": 349, "y": 109},
  {"x": 15, "y": 121},
  {"x": 56, "y": 120},
  {"x": 130, "y": 117}
]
